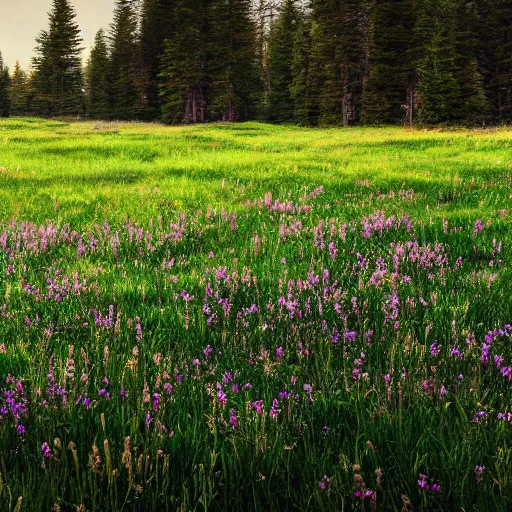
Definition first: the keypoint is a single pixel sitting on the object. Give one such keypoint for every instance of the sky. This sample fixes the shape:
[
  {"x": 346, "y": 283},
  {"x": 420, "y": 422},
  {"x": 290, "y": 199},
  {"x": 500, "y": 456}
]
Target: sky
[{"x": 22, "y": 20}]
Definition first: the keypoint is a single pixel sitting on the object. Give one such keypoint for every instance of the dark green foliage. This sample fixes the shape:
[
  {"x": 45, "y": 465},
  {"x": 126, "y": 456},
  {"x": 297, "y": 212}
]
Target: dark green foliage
[
  {"x": 318, "y": 62},
  {"x": 19, "y": 91},
  {"x": 58, "y": 78},
  {"x": 124, "y": 92},
  {"x": 157, "y": 25},
  {"x": 389, "y": 63},
  {"x": 5, "y": 80},
  {"x": 439, "y": 88},
  {"x": 97, "y": 78},
  {"x": 342, "y": 51},
  {"x": 184, "y": 80},
  {"x": 450, "y": 83},
  {"x": 500, "y": 85},
  {"x": 305, "y": 76},
  {"x": 235, "y": 84},
  {"x": 309, "y": 74},
  {"x": 281, "y": 69}
]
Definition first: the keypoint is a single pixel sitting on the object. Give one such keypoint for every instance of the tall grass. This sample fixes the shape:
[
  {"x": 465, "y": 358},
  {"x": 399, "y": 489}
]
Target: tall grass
[{"x": 254, "y": 317}]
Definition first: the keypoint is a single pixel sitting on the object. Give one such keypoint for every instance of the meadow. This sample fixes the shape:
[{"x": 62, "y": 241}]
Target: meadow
[{"x": 254, "y": 317}]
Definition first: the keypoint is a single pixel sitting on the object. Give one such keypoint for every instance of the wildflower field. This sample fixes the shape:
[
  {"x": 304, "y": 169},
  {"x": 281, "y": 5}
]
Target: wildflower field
[{"x": 253, "y": 317}]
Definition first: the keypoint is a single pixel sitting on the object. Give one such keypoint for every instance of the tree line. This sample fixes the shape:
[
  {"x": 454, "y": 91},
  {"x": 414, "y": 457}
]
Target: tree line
[{"x": 317, "y": 62}]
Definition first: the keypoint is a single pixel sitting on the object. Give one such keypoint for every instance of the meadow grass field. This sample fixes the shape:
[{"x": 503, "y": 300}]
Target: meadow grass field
[{"x": 254, "y": 317}]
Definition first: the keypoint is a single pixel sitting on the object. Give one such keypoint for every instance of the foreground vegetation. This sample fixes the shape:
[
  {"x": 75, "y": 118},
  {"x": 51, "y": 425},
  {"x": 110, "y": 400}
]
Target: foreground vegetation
[{"x": 254, "y": 317}]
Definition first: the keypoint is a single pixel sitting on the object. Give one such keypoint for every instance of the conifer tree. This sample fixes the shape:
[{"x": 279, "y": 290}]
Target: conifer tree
[
  {"x": 501, "y": 82},
  {"x": 124, "y": 90},
  {"x": 281, "y": 53},
  {"x": 18, "y": 91},
  {"x": 450, "y": 84},
  {"x": 436, "y": 64},
  {"x": 58, "y": 80},
  {"x": 184, "y": 77},
  {"x": 390, "y": 66},
  {"x": 4, "y": 88},
  {"x": 97, "y": 78},
  {"x": 301, "y": 87},
  {"x": 235, "y": 86},
  {"x": 157, "y": 25}
]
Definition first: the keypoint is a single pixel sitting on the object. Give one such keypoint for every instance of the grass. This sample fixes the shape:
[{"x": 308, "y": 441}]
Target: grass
[{"x": 254, "y": 317}]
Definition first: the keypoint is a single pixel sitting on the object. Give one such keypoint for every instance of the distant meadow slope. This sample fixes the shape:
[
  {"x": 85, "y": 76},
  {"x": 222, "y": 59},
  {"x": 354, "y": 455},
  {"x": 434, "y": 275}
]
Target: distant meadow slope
[
  {"x": 254, "y": 317},
  {"x": 86, "y": 172}
]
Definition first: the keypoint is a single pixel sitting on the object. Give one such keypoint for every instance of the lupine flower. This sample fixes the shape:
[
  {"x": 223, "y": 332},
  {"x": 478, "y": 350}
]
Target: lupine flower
[
  {"x": 479, "y": 415},
  {"x": 274, "y": 410},
  {"x": 233, "y": 421},
  {"x": 207, "y": 352},
  {"x": 479, "y": 470},
  {"x": 46, "y": 450},
  {"x": 479, "y": 226},
  {"x": 422, "y": 484},
  {"x": 156, "y": 402},
  {"x": 324, "y": 483},
  {"x": 350, "y": 336},
  {"x": 435, "y": 349}
]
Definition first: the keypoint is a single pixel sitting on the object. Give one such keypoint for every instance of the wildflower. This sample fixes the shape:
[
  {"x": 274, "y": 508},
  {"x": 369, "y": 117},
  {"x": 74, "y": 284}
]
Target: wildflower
[
  {"x": 274, "y": 411},
  {"x": 478, "y": 472},
  {"x": 350, "y": 336},
  {"x": 479, "y": 226},
  {"x": 422, "y": 484},
  {"x": 479, "y": 415},
  {"x": 435, "y": 349},
  {"x": 324, "y": 483},
  {"x": 258, "y": 406},
  {"x": 233, "y": 421},
  {"x": 156, "y": 402},
  {"x": 228, "y": 376},
  {"x": 21, "y": 429},
  {"x": 222, "y": 397},
  {"x": 207, "y": 352},
  {"x": 46, "y": 450},
  {"x": 279, "y": 353}
]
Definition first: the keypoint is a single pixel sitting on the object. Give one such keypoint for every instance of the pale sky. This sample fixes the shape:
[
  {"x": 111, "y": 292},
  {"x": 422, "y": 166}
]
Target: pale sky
[{"x": 22, "y": 20}]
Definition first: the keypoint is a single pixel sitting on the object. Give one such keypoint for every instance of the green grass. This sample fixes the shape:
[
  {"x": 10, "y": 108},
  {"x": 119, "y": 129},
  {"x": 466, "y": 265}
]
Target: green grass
[
  {"x": 85, "y": 172},
  {"x": 213, "y": 236}
]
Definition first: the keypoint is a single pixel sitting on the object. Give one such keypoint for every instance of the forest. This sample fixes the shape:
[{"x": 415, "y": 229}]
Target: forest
[{"x": 313, "y": 63}]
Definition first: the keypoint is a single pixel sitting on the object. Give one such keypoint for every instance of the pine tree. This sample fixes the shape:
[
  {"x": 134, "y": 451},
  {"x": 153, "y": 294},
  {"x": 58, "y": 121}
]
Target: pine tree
[
  {"x": 281, "y": 53},
  {"x": 124, "y": 89},
  {"x": 58, "y": 68},
  {"x": 390, "y": 69},
  {"x": 18, "y": 91},
  {"x": 436, "y": 64},
  {"x": 97, "y": 78},
  {"x": 157, "y": 25},
  {"x": 501, "y": 82},
  {"x": 300, "y": 86},
  {"x": 450, "y": 84},
  {"x": 235, "y": 86},
  {"x": 4, "y": 89},
  {"x": 472, "y": 103},
  {"x": 184, "y": 80}
]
